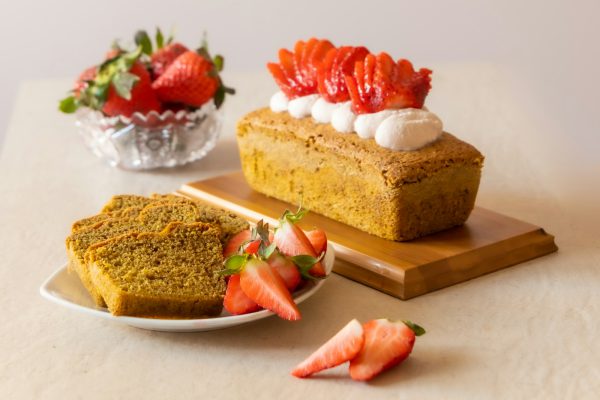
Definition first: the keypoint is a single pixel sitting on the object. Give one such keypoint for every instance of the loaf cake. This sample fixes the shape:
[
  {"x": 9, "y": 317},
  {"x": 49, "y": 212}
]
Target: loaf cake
[
  {"x": 124, "y": 214},
  {"x": 173, "y": 273},
  {"x": 348, "y": 137}
]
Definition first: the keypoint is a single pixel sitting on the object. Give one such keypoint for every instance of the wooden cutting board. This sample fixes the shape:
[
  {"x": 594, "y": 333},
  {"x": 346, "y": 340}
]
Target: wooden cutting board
[{"x": 487, "y": 242}]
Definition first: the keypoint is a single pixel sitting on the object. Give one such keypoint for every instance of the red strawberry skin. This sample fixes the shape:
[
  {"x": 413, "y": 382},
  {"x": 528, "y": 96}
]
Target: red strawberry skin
[
  {"x": 318, "y": 239},
  {"x": 386, "y": 344},
  {"x": 162, "y": 58},
  {"x": 332, "y": 75},
  {"x": 342, "y": 347},
  {"x": 286, "y": 269},
  {"x": 236, "y": 302},
  {"x": 292, "y": 241},
  {"x": 142, "y": 100},
  {"x": 187, "y": 81},
  {"x": 265, "y": 287}
]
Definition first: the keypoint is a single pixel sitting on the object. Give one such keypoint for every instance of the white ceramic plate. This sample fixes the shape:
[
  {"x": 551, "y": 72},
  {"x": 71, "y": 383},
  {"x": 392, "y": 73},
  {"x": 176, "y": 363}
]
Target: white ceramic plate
[{"x": 65, "y": 288}]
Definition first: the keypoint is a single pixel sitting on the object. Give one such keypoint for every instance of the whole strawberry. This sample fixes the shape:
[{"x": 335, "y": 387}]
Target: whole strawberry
[
  {"x": 163, "y": 57},
  {"x": 141, "y": 99},
  {"x": 187, "y": 80}
]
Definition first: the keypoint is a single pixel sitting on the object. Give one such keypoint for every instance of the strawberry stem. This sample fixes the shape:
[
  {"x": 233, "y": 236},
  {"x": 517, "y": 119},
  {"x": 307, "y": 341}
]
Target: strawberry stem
[{"x": 418, "y": 330}]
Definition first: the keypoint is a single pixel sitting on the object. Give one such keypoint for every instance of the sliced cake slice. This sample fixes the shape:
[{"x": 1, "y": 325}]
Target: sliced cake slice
[
  {"x": 169, "y": 274},
  {"x": 121, "y": 201},
  {"x": 129, "y": 212}
]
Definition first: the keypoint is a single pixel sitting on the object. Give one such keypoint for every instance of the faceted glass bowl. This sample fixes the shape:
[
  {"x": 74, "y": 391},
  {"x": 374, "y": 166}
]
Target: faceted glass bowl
[{"x": 153, "y": 140}]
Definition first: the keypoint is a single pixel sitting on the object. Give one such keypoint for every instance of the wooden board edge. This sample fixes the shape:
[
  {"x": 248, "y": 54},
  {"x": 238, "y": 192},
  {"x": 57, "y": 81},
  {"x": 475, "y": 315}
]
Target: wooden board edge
[{"x": 531, "y": 245}]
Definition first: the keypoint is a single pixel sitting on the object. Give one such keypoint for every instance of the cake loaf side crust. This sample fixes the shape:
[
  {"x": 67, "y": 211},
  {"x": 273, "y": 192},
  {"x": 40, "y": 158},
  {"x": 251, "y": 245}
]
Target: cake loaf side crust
[{"x": 394, "y": 195}]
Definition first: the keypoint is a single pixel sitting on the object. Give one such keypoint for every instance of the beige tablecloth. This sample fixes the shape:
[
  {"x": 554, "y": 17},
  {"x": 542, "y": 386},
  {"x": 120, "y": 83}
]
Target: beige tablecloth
[{"x": 529, "y": 331}]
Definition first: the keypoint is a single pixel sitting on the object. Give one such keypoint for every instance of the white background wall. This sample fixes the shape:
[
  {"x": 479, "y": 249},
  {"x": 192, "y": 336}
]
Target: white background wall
[{"x": 552, "y": 46}]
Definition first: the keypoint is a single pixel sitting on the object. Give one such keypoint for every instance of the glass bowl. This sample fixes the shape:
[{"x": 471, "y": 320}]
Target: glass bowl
[{"x": 153, "y": 140}]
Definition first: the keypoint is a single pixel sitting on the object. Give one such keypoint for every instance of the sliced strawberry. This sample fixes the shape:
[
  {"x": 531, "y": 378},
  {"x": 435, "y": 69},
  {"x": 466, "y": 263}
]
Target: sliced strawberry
[
  {"x": 318, "y": 239},
  {"x": 188, "y": 80},
  {"x": 342, "y": 347},
  {"x": 236, "y": 302},
  {"x": 379, "y": 83},
  {"x": 142, "y": 98},
  {"x": 337, "y": 64},
  {"x": 82, "y": 81},
  {"x": 292, "y": 241},
  {"x": 286, "y": 269},
  {"x": 162, "y": 58},
  {"x": 296, "y": 73},
  {"x": 387, "y": 343},
  {"x": 252, "y": 247},
  {"x": 265, "y": 287}
]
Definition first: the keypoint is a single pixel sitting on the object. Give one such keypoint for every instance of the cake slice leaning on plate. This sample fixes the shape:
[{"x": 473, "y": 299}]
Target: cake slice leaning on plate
[
  {"x": 349, "y": 138},
  {"x": 169, "y": 274}
]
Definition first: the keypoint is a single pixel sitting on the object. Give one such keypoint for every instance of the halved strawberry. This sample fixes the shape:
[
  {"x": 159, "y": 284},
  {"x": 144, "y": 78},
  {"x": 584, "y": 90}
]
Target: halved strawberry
[
  {"x": 236, "y": 302},
  {"x": 342, "y": 347},
  {"x": 292, "y": 241},
  {"x": 332, "y": 75},
  {"x": 379, "y": 83},
  {"x": 318, "y": 239},
  {"x": 265, "y": 287},
  {"x": 387, "y": 343},
  {"x": 163, "y": 57},
  {"x": 141, "y": 98},
  {"x": 286, "y": 269},
  {"x": 296, "y": 73},
  {"x": 187, "y": 80}
]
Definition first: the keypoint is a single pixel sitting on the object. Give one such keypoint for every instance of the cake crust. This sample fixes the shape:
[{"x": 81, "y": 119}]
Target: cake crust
[{"x": 398, "y": 195}]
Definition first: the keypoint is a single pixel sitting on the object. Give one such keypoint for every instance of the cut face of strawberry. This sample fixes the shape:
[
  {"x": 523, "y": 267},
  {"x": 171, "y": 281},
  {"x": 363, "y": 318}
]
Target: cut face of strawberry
[
  {"x": 236, "y": 302},
  {"x": 286, "y": 269},
  {"x": 187, "y": 80},
  {"x": 332, "y": 75},
  {"x": 342, "y": 347},
  {"x": 378, "y": 83},
  {"x": 387, "y": 344},
  {"x": 233, "y": 245},
  {"x": 292, "y": 241},
  {"x": 265, "y": 287},
  {"x": 296, "y": 74},
  {"x": 318, "y": 239},
  {"x": 82, "y": 81}
]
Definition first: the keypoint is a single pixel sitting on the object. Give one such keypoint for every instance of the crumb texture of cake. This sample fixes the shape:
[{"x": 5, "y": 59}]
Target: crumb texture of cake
[
  {"x": 126, "y": 214},
  {"x": 172, "y": 273},
  {"x": 397, "y": 195}
]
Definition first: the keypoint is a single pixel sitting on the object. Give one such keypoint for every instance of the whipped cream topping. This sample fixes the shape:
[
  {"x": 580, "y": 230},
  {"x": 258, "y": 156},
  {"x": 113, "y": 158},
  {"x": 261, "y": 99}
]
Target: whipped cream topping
[
  {"x": 279, "y": 102},
  {"x": 405, "y": 129}
]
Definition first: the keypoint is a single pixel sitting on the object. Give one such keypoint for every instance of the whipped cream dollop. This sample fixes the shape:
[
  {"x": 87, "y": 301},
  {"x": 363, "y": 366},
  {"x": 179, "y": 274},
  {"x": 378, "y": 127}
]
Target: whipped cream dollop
[{"x": 405, "y": 129}]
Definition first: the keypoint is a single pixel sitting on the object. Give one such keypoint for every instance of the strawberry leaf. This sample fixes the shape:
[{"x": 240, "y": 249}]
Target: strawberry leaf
[
  {"x": 304, "y": 262},
  {"x": 123, "y": 83},
  {"x": 219, "y": 62},
  {"x": 142, "y": 39},
  {"x": 262, "y": 231},
  {"x": 418, "y": 330},
  {"x": 294, "y": 218},
  {"x": 68, "y": 105},
  {"x": 266, "y": 251},
  {"x": 234, "y": 264},
  {"x": 160, "y": 40}
]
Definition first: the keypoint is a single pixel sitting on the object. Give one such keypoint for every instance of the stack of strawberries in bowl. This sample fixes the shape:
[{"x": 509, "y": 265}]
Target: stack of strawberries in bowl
[{"x": 157, "y": 105}]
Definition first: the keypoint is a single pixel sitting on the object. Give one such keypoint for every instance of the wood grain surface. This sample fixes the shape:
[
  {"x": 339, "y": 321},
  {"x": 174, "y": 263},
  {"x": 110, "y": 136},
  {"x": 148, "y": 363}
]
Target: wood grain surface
[{"x": 487, "y": 242}]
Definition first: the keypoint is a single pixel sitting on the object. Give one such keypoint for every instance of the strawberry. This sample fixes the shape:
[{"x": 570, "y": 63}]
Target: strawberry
[
  {"x": 296, "y": 73},
  {"x": 292, "y": 241},
  {"x": 142, "y": 98},
  {"x": 286, "y": 269},
  {"x": 342, "y": 347},
  {"x": 387, "y": 343},
  {"x": 332, "y": 75},
  {"x": 236, "y": 301},
  {"x": 188, "y": 80},
  {"x": 264, "y": 286},
  {"x": 163, "y": 57},
  {"x": 318, "y": 239},
  {"x": 82, "y": 81},
  {"x": 378, "y": 83}
]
